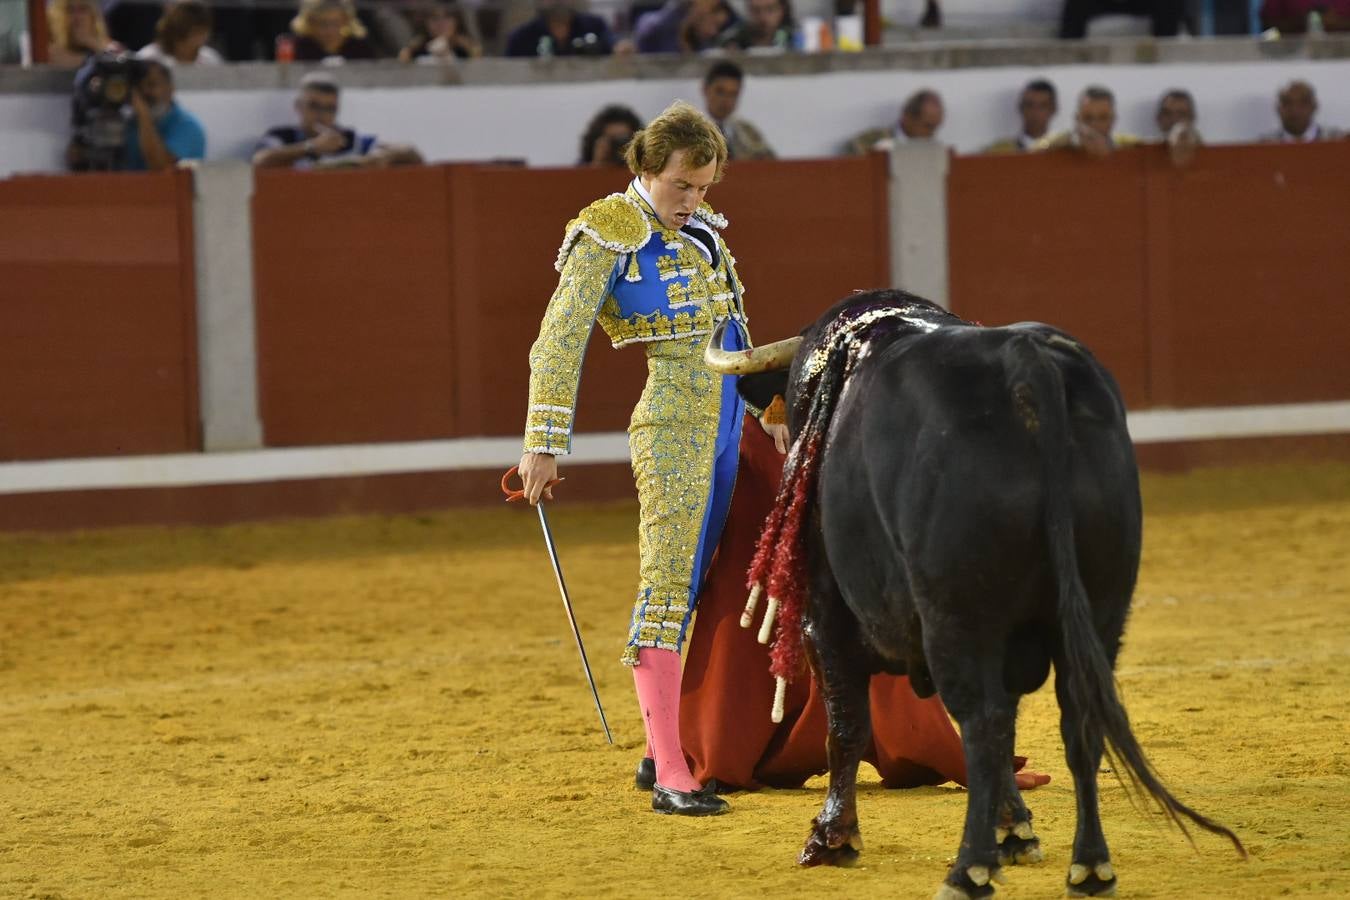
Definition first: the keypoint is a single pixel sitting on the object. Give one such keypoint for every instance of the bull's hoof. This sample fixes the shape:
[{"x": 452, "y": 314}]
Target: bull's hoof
[
  {"x": 1091, "y": 881},
  {"x": 1018, "y": 846},
  {"x": 831, "y": 846},
  {"x": 972, "y": 883}
]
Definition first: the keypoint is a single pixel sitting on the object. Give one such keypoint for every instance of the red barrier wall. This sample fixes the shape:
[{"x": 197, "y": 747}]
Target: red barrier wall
[
  {"x": 414, "y": 318},
  {"x": 400, "y": 305},
  {"x": 1220, "y": 284},
  {"x": 352, "y": 285},
  {"x": 1252, "y": 251},
  {"x": 1054, "y": 239},
  {"x": 98, "y": 333}
]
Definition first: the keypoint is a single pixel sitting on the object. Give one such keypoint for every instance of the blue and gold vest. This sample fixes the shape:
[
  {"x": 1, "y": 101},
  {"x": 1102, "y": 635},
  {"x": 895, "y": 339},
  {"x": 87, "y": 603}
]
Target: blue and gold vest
[{"x": 662, "y": 287}]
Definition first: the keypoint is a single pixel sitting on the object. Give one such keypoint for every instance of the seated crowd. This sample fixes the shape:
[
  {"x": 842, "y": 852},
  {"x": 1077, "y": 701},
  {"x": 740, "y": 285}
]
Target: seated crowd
[
  {"x": 209, "y": 31},
  {"x": 159, "y": 133},
  {"x": 165, "y": 35}
]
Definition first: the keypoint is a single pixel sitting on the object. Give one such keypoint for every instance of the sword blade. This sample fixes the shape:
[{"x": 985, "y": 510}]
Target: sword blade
[{"x": 571, "y": 617}]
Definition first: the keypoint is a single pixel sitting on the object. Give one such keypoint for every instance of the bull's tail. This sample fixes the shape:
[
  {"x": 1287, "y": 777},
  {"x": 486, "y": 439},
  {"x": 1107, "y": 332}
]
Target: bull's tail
[{"x": 1038, "y": 392}]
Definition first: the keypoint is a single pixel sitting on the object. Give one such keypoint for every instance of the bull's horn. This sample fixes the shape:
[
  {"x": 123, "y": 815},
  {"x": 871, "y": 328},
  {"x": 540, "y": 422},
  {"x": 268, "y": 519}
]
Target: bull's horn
[{"x": 777, "y": 355}]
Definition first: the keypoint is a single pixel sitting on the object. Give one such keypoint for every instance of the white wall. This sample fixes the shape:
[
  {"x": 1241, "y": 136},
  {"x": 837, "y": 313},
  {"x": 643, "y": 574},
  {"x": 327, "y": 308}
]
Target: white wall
[{"x": 802, "y": 115}]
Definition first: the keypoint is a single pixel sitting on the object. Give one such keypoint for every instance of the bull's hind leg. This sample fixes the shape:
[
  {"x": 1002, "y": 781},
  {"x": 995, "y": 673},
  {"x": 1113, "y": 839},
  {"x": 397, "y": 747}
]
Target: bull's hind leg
[
  {"x": 1091, "y": 874},
  {"x": 987, "y": 716},
  {"x": 1017, "y": 842},
  {"x": 832, "y": 647}
]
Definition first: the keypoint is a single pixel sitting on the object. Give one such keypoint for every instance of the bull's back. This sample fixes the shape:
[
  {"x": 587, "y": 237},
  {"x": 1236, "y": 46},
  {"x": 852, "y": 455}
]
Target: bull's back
[{"x": 949, "y": 436}]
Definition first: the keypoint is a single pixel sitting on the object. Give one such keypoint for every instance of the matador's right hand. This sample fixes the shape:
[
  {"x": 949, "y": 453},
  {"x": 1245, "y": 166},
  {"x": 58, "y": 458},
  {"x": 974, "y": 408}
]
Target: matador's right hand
[{"x": 536, "y": 471}]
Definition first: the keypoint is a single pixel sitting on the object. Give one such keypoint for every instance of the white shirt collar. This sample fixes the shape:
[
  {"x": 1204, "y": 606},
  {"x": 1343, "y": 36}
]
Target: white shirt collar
[
  {"x": 1313, "y": 132},
  {"x": 694, "y": 221},
  {"x": 642, "y": 192}
]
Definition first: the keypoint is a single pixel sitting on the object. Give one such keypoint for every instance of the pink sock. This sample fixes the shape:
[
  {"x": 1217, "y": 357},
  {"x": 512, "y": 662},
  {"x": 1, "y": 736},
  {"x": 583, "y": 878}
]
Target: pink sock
[{"x": 657, "y": 676}]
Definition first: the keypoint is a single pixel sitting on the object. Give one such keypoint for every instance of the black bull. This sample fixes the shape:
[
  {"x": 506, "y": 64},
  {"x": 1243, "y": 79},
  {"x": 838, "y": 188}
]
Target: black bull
[{"x": 976, "y": 518}]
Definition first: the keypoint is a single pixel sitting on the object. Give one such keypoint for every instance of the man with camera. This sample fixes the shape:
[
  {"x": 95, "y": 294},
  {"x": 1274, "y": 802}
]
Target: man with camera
[
  {"x": 319, "y": 142},
  {"x": 126, "y": 118}
]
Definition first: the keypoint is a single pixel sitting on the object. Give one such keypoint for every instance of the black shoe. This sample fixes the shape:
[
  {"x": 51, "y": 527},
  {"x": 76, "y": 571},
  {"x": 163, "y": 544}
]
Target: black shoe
[
  {"x": 687, "y": 803},
  {"x": 645, "y": 779}
]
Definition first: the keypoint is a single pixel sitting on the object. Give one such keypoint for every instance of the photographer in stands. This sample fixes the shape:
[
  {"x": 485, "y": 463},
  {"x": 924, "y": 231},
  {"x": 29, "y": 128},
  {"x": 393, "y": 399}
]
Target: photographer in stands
[{"x": 125, "y": 118}]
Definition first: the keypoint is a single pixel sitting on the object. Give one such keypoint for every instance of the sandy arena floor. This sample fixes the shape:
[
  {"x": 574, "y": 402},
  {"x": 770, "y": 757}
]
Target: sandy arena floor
[{"x": 392, "y": 707}]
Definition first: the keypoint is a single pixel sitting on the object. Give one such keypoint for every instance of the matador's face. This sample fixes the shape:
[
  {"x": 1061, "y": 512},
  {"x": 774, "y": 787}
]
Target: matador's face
[{"x": 677, "y": 190}]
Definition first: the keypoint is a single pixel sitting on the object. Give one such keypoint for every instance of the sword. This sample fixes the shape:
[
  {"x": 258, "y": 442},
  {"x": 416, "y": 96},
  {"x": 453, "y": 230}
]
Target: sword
[{"x": 562, "y": 589}]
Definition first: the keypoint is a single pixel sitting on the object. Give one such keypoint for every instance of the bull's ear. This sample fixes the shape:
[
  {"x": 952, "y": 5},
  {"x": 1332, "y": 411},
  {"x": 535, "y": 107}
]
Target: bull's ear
[{"x": 759, "y": 389}]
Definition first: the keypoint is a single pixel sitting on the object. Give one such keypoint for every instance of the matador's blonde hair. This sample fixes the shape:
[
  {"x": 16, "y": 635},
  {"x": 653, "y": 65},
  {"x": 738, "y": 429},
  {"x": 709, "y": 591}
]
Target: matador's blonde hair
[
  {"x": 680, "y": 127},
  {"x": 353, "y": 28}
]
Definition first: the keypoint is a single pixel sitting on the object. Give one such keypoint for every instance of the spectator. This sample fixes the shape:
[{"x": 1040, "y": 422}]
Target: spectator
[
  {"x": 721, "y": 92},
  {"x": 329, "y": 29},
  {"x": 76, "y": 29},
  {"x": 1176, "y": 108},
  {"x": 181, "y": 36},
  {"x": 1094, "y": 127},
  {"x": 685, "y": 26},
  {"x": 920, "y": 119},
  {"x": 1176, "y": 125},
  {"x": 769, "y": 26},
  {"x": 132, "y": 22},
  {"x": 559, "y": 30},
  {"x": 1291, "y": 16},
  {"x": 1037, "y": 105},
  {"x": 13, "y": 33},
  {"x": 1165, "y": 14},
  {"x": 1297, "y": 108},
  {"x": 318, "y": 141},
  {"x": 607, "y": 135},
  {"x": 708, "y": 27},
  {"x": 441, "y": 32},
  {"x": 159, "y": 134}
]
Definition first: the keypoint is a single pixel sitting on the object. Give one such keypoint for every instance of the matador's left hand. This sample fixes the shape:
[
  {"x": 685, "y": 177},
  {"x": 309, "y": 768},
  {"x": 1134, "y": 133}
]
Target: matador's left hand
[
  {"x": 778, "y": 431},
  {"x": 774, "y": 422}
]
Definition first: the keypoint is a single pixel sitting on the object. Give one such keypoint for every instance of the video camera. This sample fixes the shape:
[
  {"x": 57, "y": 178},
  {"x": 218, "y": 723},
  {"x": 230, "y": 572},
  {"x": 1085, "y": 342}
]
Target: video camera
[{"x": 101, "y": 110}]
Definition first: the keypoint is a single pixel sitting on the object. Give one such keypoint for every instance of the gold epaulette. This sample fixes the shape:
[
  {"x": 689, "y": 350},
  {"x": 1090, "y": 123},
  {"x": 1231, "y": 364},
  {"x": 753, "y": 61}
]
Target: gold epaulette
[
  {"x": 709, "y": 215},
  {"x": 616, "y": 223}
]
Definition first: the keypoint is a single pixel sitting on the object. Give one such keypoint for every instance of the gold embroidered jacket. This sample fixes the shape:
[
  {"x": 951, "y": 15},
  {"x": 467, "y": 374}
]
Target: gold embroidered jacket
[{"x": 619, "y": 266}]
